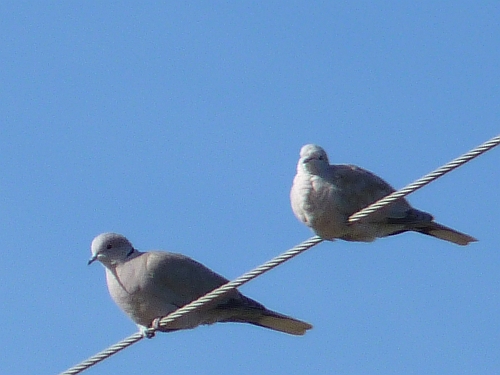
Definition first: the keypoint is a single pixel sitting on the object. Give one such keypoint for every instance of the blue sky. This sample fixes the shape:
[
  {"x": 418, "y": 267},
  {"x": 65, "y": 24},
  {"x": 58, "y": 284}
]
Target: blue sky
[{"x": 179, "y": 125}]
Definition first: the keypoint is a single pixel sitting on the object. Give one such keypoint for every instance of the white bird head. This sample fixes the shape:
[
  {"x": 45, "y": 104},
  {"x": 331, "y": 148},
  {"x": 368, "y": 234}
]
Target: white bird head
[
  {"x": 111, "y": 249},
  {"x": 313, "y": 158}
]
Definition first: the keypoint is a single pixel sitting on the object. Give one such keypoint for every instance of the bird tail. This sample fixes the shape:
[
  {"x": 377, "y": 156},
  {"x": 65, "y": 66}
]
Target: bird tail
[
  {"x": 246, "y": 310},
  {"x": 440, "y": 231},
  {"x": 279, "y": 322}
]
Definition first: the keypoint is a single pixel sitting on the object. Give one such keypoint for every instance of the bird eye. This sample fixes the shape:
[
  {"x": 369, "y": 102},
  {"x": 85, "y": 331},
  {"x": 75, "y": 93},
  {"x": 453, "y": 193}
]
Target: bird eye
[{"x": 109, "y": 246}]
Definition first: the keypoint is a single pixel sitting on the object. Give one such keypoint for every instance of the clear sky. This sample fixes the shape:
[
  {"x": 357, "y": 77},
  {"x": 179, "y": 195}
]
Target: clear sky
[{"x": 179, "y": 125}]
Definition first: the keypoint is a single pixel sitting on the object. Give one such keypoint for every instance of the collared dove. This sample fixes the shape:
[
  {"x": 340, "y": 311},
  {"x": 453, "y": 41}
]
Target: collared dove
[
  {"x": 324, "y": 196},
  {"x": 150, "y": 285}
]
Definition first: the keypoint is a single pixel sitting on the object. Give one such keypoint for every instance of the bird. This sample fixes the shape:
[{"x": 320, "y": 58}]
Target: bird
[
  {"x": 151, "y": 285},
  {"x": 324, "y": 196}
]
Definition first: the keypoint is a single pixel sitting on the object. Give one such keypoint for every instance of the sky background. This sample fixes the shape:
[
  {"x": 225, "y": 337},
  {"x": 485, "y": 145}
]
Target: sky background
[{"x": 179, "y": 125}]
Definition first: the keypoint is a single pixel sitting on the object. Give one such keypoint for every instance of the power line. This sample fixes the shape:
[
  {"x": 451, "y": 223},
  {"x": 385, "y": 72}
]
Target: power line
[
  {"x": 194, "y": 305},
  {"x": 421, "y": 182}
]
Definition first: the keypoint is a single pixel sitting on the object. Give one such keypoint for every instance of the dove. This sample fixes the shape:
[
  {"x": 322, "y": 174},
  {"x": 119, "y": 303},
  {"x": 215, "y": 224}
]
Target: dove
[
  {"x": 151, "y": 285},
  {"x": 324, "y": 196}
]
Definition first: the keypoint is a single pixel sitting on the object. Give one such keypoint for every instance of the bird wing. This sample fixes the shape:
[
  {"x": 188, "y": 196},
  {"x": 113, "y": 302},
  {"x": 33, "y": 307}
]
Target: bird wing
[
  {"x": 183, "y": 277},
  {"x": 357, "y": 188}
]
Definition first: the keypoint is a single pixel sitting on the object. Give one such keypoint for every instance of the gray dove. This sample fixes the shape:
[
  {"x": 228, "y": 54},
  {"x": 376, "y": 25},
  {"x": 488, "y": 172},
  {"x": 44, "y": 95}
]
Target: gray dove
[
  {"x": 324, "y": 196},
  {"x": 150, "y": 285}
]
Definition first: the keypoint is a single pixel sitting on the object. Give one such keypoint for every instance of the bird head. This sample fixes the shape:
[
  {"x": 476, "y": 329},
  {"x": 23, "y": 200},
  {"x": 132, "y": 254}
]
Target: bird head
[
  {"x": 313, "y": 158},
  {"x": 111, "y": 249}
]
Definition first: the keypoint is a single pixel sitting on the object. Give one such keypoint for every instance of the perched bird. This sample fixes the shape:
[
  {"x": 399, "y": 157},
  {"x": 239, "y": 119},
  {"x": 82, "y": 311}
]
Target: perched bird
[
  {"x": 324, "y": 196},
  {"x": 150, "y": 285}
]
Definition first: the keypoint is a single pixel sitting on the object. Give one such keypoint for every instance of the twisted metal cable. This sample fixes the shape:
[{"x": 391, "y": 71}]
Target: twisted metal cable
[
  {"x": 269, "y": 265},
  {"x": 421, "y": 182},
  {"x": 101, "y": 356}
]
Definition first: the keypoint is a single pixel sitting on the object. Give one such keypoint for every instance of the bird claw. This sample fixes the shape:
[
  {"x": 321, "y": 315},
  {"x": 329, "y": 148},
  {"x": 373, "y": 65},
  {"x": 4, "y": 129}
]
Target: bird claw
[
  {"x": 149, "y": 332},
  {"x": 146, "y": 332},
  {"x": 156, "y": 324}
]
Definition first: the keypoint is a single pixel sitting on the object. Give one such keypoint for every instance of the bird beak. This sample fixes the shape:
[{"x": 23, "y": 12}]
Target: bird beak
[{"x": 92, "y": 260}]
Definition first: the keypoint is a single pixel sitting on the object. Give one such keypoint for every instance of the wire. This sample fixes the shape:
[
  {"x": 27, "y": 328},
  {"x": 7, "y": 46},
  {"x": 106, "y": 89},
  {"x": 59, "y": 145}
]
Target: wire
[
  {"x": 101, "y": 356},
  {"x": 269, "y": 265},
  {"x": 421, "y": 182}
]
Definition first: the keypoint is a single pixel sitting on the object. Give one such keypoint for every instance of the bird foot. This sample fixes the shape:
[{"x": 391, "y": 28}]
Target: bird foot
[{"x": 147, "y": 332}]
